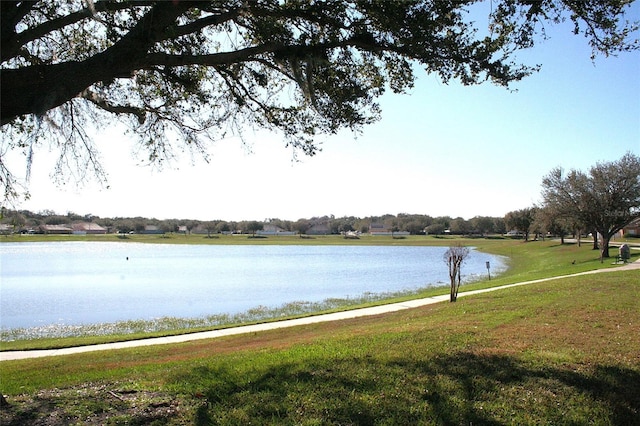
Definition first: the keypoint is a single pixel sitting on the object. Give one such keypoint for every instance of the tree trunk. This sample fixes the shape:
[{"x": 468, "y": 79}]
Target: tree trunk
[
  {"x": 605, "y": 245},
  {"x": 453, "y": 271},
  {"x": 454, "y": 274},
  {"x": 595, "y": 240}
]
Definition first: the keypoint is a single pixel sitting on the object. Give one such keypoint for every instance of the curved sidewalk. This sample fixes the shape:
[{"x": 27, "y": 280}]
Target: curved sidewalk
[{"x": 376, "y": 310}]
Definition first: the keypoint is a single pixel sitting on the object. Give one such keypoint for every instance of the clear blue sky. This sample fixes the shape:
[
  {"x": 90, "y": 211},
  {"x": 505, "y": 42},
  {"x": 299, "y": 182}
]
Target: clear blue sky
[{"x": 442, "y": 150}]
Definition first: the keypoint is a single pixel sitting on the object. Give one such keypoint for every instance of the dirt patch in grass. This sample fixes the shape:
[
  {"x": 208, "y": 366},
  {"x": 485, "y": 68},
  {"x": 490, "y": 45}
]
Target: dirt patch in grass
[{"x": 92, "y": 404}]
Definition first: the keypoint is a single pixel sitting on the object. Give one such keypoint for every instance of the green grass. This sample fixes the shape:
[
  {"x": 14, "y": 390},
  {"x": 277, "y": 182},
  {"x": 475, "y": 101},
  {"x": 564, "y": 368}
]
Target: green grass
[
  {"x": 559, "y": 352},
  {"x": 527, "y": 261}
]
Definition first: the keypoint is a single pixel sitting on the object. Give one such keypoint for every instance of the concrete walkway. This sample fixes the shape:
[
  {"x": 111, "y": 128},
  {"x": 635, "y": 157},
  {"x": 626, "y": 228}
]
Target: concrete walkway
[{"x": 376, "y": 310}]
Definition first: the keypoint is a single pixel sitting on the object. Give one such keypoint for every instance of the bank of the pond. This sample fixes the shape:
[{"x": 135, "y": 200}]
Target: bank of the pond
[
  {"x": 377, "y": 310},
  {"x": 526, "y": 261}
]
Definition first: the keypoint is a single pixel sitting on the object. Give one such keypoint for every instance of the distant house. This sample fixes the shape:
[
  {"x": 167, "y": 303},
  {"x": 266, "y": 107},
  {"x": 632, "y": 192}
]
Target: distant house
[
  {"x": 270, "y": 229},
  {"x": 56, "y": 229},
  {"x": 632, "y": 229},
  {"x": 319, "y": 229},
  {"x": 152, "y": 229},
  {"x": 182, "y": 229},
  {"x": 84, "y": 228},
  {"x": 378, "y": 229},
  {"x": 202, "y": 230}
]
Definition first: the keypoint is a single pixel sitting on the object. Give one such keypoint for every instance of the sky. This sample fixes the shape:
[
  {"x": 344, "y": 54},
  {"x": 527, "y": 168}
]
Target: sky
[{"x": 441, "y": 150}]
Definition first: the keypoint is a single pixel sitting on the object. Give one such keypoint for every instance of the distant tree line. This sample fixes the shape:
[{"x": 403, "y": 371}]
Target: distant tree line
[
  {"x": 599, "y": 202},
  {"x": 414, "y": 224}
]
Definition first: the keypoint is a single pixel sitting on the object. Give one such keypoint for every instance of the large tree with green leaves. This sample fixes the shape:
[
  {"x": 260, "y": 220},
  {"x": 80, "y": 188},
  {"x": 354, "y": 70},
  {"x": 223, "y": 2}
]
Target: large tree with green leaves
[
  {"x": 181, "y": 73},
  {"x": 605, "y": 199},
  {"x": 521, "y": 220},
  {"x": 547, "y": 220},
  {"x": 253, "y": 226}
]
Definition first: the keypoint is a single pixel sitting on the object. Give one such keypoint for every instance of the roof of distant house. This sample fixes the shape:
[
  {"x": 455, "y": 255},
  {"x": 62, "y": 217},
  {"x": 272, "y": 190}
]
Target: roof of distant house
[
  {"x": 56, "y": 228},
  {"x": 87, "y": 226}
]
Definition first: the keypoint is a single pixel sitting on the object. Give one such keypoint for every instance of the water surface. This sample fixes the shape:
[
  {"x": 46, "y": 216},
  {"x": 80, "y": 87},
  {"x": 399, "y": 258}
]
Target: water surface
[{"x": 77, "y": 283}]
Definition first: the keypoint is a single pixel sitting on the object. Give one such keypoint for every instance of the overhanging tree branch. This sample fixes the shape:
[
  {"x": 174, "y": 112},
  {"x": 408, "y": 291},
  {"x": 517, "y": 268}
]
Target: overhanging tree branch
[
  {"x": 97, "y": 100},
  {"x": 11, "y": 13},
  {"x": 15, "y": 41},
  {"x": 338, "y": 56}
]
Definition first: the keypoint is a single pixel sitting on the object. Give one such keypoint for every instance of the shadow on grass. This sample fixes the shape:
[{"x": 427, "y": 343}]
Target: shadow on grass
[
  {"x": 546, "y": 393},
  {"x": 464, "y": 388}
]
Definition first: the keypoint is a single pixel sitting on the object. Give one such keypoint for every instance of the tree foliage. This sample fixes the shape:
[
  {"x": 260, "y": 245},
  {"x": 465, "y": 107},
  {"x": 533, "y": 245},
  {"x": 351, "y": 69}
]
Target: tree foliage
[
  {"x": 181, "y": 73},
  {"x": 521, "y": 220},
  {"x": 548, "y": 221},
  {"x": 253, "y": 226},
  {"x": 605, "y": 199}
]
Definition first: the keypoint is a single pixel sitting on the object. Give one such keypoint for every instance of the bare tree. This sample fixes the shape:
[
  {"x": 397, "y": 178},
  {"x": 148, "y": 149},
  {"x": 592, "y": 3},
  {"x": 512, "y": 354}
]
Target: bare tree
[{"x": 454, "y": 258}]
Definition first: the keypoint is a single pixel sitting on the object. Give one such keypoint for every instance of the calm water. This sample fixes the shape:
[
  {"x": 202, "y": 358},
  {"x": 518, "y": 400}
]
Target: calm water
[{"x": 91, "y": 282}]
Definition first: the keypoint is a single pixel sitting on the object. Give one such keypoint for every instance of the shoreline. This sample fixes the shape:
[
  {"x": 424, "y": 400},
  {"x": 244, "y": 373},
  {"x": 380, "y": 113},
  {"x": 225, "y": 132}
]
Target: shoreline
[{"x": 350, "y": 314}]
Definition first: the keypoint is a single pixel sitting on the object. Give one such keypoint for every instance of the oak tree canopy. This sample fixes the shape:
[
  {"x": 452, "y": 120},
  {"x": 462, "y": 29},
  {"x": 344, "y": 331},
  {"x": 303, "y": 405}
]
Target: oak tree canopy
[
  {"x": 182, "y": 73},
  {"x": 604, "y": 200}
]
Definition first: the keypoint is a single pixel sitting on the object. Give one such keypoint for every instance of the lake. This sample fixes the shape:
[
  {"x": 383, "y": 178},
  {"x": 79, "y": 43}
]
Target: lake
[{"x": 76, "y": 283}]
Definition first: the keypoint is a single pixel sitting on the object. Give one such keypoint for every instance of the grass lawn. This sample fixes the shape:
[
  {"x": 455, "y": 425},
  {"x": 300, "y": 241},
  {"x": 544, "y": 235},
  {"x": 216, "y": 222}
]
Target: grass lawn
[{"x": 559, "y": 352}]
